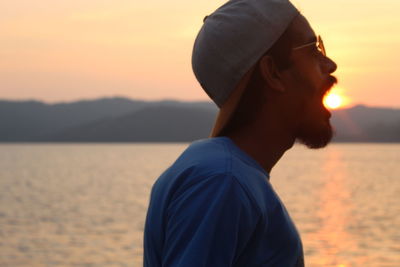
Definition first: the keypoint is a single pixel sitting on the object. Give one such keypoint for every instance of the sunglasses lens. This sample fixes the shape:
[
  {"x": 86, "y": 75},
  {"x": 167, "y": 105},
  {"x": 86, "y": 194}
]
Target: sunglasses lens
[{"x": 321, "y": 46}]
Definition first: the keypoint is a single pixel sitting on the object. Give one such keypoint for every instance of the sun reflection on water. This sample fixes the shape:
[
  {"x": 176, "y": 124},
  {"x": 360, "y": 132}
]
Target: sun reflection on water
[{"x": 337, "y": 246}]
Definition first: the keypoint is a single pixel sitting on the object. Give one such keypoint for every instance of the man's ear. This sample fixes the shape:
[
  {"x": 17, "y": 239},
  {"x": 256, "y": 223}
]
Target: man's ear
[{"x": 271, "y": 74}]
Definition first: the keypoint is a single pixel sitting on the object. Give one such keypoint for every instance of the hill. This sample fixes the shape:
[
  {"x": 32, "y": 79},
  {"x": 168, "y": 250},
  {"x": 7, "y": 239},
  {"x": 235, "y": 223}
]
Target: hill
[{"x": 126, "y": 120}]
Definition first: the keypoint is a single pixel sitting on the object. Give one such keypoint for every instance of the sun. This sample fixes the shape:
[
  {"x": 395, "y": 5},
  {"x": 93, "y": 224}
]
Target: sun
[
  {"x": 333, "y": 101},
  {"x": 337, "y": 98}
]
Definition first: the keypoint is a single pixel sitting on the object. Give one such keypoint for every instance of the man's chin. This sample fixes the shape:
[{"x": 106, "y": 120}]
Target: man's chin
[{"x": 316, "y": 136}]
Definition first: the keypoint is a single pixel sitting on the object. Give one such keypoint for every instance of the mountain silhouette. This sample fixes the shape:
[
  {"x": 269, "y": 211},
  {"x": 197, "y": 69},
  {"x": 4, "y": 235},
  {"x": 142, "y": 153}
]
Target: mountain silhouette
[
  {"x": 151, "y": 124},
  {"x": 125, "y": 120}
]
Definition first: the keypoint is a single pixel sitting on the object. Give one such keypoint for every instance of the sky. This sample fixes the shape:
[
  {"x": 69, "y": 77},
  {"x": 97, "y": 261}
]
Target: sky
[{"x": 67, "y": 50}]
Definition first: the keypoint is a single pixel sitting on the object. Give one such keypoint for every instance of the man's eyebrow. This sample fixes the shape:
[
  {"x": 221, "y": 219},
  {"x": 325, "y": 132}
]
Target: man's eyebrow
[{"x": 312, "y": 39}]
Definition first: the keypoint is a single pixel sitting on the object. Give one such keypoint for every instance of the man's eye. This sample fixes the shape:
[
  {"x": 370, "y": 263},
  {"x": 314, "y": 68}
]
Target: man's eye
[{"x": 316, "y": 51}]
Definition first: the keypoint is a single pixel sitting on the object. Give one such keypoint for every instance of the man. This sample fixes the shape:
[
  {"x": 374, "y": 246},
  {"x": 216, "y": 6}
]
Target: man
[{"x": 263, "y": 65}]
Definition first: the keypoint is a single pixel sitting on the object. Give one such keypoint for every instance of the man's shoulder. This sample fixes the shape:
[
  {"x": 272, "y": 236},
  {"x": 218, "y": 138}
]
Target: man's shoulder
[
  {"x": 208, "y": 158},
  {"x": 214, "y": 162},
  {"x": 203, "y": 158},
  {"x": 215, "y": 157},
  {"x": 211, "y": 151}
]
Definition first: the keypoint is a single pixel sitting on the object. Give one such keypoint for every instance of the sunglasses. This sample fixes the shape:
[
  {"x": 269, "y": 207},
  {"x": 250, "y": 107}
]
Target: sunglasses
[{"x": 319, "y": 44}]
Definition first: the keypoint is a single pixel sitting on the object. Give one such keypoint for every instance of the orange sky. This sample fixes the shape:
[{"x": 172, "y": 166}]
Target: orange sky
[{"x": 67, "y": 50}]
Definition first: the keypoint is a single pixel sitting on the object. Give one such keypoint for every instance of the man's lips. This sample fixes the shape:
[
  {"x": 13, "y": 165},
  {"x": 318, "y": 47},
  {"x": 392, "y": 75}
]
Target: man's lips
[
  {"x": 332, "y": 80},
  {"x": 329, "y": 115}
]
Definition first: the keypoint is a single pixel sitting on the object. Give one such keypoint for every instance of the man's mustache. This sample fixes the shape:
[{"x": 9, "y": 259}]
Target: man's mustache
[{"x": 332, "y": 80}]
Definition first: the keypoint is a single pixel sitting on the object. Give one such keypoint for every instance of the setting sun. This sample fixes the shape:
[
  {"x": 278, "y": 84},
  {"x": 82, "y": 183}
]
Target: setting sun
[
  {"x": 336, "y": 98},
  {"x": 333, "y": 101}
]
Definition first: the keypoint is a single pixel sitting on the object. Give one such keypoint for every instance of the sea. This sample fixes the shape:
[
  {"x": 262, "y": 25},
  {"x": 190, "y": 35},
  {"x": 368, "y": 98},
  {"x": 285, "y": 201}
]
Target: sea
[{"x": 84, "y": 205}]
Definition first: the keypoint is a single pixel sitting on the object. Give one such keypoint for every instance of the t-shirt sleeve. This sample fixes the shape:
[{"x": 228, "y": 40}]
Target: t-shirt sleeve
[{"x": 208, "y": 223}]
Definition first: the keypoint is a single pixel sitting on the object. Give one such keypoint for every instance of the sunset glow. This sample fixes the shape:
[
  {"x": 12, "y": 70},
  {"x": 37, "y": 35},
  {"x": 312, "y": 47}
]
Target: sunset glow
[
  {"x": 69, "y": 50},
  {"x": 337, "y": 98},
  {"x": 333, "y": 101}
]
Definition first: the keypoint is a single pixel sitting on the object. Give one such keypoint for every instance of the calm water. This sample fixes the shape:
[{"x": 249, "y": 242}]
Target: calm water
[{"x": 85, "y": 204}]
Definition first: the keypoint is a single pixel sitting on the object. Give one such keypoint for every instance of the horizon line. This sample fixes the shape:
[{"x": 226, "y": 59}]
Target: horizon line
[{"x": 154, "y": 100}]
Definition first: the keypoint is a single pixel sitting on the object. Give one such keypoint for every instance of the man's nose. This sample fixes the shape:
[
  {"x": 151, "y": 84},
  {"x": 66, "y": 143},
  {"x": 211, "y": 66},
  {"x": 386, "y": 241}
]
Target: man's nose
[{"x": 329, "y": 65}]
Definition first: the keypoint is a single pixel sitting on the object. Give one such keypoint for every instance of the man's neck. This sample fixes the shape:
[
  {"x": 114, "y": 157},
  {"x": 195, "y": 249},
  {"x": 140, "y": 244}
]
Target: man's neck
[{"x": 264, "y": 144}]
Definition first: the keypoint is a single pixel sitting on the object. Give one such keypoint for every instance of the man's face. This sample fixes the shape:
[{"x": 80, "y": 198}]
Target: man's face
[{"x": 309, "y": 79}]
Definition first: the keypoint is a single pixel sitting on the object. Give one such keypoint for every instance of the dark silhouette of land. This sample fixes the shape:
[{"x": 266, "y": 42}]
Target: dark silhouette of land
[{"x": 125, "y": 120}]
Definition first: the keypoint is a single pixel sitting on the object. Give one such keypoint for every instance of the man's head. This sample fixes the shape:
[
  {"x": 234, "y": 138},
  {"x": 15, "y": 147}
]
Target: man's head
[
  {"x": 308, "y": 80},
  {"x": 288, "y": 79}
]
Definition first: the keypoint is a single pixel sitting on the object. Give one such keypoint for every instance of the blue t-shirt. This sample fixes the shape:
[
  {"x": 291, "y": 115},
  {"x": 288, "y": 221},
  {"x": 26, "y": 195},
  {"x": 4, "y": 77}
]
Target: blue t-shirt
[{"x": 215, "y": 207}]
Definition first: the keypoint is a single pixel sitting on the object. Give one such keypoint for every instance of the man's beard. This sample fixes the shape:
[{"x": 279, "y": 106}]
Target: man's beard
[
  {"x": 315, "y": 133},
  {"x": 315, "y": 130}
]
